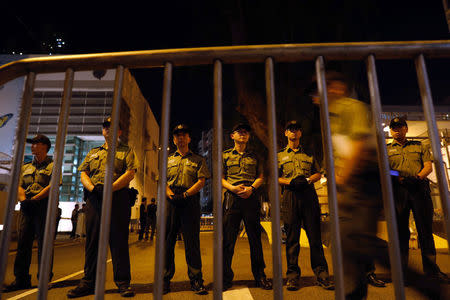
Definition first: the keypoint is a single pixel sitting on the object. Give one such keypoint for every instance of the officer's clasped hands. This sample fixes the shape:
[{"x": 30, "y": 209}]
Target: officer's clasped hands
[{"x": 98, "y": 190}]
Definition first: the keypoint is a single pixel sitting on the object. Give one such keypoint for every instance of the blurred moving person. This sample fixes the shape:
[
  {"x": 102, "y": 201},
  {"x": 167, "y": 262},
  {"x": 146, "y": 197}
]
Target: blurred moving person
[{"x": 359, "y": 191}]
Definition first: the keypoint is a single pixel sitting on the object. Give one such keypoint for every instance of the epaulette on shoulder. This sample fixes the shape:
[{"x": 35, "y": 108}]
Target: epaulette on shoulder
[
  {"x": 228, "y": 150},
  {"x": 28, "y": 163}
]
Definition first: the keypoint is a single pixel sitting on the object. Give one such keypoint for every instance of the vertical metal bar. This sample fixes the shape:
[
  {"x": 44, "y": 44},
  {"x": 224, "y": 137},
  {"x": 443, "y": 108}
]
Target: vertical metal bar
[
  {"x": 386, "y": 184},
  {"x": 161, "y": 212},
  {"x": 428, "y": 109},
  {"x": 107, "y": 192},
  {"x": 49, "y": 235},
  {"x": 217, "y": 182},
  {"x": 445, "y": 137},
  {"x": 16, "y": 168},
  {"x": 274, "y": 193},
  {"x": 336, "y": 249}
]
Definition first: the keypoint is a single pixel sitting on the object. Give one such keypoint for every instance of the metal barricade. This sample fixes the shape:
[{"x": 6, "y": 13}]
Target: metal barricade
[{"x": 216, "y": 56}]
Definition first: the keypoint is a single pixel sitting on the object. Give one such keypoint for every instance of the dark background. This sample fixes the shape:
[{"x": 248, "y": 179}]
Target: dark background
[{"x": 91, "y": 28}]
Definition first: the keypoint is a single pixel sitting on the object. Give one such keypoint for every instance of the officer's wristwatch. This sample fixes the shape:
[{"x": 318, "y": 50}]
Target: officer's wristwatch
[{"x": 308, "y": 180}]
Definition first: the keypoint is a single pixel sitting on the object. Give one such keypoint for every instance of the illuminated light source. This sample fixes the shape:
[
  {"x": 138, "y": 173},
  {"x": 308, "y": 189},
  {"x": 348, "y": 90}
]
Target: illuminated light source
[{"x": 386, "y": 129}]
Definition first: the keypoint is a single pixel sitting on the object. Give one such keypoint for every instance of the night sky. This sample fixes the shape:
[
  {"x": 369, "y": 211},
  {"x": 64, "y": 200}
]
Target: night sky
[{"x": 91, "y": 28}]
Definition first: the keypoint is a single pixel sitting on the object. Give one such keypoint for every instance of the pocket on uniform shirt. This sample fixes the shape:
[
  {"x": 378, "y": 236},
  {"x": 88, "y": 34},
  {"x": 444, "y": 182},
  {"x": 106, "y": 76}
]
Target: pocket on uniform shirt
[
  {"x": 44, "y": 177},
  {"x": 191, "y": 169},
  {"x": 415, "y": 154},
  {"x": 28, "y": 177},
  {"x": 94, "y": 164},
  {"x": 288, "y": 169},
  {"x": 233, "y": 167}
]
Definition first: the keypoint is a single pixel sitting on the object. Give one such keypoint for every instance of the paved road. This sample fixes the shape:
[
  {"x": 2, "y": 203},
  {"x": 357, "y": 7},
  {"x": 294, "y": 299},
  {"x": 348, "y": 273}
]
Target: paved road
[{"x": 69, "y": 259}]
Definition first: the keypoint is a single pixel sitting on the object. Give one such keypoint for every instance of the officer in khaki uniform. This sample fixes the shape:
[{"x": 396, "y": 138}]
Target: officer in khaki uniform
[
  {"x": 243, "y": 175},
  {"x": 413, "y": 161},
  {"x": 34, "y": 188},
  {"x": 300, "y": 206},
  {"x": 93, "y": 170},
  {"x": 186, "y": 174}
]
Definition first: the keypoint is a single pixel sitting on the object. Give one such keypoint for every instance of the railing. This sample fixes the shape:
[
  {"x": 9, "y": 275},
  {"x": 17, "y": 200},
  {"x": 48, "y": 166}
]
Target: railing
[{"x": 217, "y": 56}]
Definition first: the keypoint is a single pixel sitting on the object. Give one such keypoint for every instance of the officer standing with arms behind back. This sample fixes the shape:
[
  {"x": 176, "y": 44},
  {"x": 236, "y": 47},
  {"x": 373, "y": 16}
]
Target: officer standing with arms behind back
[
  {"x": 242, "y": 176},
  {"x": 413, "y": 162},
  {"x": 93, "y": 171},
  {"x": 34, "y": 189},
  {"x": 300, "y": 205},
  {"x": 186, "y": 174}
]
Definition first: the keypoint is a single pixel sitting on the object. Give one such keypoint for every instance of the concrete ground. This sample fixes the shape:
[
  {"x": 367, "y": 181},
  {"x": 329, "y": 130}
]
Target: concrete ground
[{"x": 69, "y": 260}]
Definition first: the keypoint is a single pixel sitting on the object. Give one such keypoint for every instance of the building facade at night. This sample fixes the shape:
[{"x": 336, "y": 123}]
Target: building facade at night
[{"x": 91, "y": 102}]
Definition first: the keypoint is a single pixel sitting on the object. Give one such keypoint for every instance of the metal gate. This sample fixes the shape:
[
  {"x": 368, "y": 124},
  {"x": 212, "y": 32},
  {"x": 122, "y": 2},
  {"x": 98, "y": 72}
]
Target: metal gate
[{"x": 217, "y": 56}]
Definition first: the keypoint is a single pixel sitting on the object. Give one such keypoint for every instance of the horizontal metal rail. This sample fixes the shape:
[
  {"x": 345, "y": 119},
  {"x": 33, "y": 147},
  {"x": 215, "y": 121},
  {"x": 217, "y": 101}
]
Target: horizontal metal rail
[{"x": 227, "y": 55}]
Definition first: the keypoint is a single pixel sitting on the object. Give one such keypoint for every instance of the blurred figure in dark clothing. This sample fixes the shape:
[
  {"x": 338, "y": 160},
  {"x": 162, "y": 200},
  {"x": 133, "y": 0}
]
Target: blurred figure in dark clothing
[
  {"x": 143, "y": 219},
  {"x": 359, "y": 191},
  {"x": 151, "y": 217},
  {"x": 74, "y": 219}
]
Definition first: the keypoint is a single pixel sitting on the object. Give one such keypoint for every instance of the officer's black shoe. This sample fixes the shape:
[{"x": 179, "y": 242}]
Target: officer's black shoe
[
  {"x": 226, "y": 285},
  {"x": 293, "y": 284},
  {"x": 166, "y": 287},
  {"x": 198, "y": 287},
  {"x": 264, "y": 283},
  {"x": 325, "y": 282},
  {"x": 441, "y": 277},
  {"x": 17, "y": 285},
  {"x": 374, "y": 281},
  {"x": 80, "y": 291},
  {"x": 126, "y": 291}
]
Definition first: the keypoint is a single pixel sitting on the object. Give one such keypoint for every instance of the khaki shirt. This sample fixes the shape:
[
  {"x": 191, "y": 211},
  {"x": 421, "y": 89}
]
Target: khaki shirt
[
  {"x": 36, "y": 176},
  {"x": 350, "y": 121},
  {"x": 296, "y": 163},
  {"x": 409, "y": 158},
  {"x": 95, "y": 163},
  {"x": 185, "y": 171},
  {"x": 239, "y": 168}
]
